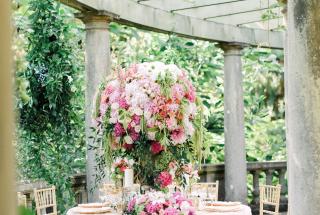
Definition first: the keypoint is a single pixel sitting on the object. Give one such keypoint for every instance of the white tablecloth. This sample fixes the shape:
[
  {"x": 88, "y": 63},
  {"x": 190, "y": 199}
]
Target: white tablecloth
[
  {"x": 245, "y": 210},
  {"x": 73, "y": 212}
]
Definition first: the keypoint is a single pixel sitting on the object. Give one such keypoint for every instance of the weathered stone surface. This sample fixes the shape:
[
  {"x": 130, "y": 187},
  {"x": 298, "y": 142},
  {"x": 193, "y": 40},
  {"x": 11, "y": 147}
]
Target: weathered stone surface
[
  {"x": 97, "y": 63},
  {"x": 235, "y": 155},
  {"x": 303, "y": 106},
  {"x": 131, "y": 13}
]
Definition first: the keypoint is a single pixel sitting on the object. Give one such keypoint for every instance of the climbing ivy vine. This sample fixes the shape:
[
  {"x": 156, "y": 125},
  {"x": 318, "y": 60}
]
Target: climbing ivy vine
[{"x": 51, "y": 130}]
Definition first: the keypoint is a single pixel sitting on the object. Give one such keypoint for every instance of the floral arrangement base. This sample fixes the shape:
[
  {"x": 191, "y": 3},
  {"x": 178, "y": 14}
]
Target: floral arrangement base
[{"x": 161, "y": 203}]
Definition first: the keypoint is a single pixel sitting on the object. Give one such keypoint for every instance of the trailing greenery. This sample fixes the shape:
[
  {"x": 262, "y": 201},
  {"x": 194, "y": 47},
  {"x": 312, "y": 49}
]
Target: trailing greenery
[{"x": 51, "y": 127}]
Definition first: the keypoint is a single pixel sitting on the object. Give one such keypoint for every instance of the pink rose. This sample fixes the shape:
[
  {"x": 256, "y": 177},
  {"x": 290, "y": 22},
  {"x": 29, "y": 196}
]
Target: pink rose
[
  {"x": 119, "y": 130},
  {"x": 136, "y": 119},
  {"x": 128, "y": 146},
  {"x": 164, "y": 179},
  {"x": 134, "y": 136},
  {"x": 156, "y": 147}
]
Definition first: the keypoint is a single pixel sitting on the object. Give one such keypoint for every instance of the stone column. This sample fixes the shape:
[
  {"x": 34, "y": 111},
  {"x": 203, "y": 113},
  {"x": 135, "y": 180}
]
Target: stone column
[
  {"x": 235, "y": 154},
  {"x": 7, "y": 169},
  {"x": 97, "y": 64},
  {"x": 303, "y": 106}
]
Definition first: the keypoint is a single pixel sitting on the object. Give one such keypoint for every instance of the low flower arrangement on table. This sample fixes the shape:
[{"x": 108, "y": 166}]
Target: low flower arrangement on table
[
  {"x": 148, "y": 114},
  {"x": 160, "y": 203}
]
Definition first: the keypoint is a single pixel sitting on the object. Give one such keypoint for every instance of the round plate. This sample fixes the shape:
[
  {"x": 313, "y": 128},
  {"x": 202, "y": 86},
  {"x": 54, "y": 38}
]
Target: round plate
[{"x": 101, "y": 210}]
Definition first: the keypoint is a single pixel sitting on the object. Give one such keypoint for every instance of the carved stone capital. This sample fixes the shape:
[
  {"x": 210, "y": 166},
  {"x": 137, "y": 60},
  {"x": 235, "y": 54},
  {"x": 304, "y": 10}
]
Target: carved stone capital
[
  {"x": 232, "y": 48},
  {"x": 96, "y": 19}
]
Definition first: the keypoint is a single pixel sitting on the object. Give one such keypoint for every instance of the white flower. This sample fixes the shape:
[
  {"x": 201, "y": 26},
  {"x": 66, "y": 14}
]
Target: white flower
[
  {"x": 185, "y": 207},
  {"x": 128, "y": 140},
  {"x": 115, "y": 106},
  {"x": 151, "y": 135},
  {"x": 137, "y": 128}
]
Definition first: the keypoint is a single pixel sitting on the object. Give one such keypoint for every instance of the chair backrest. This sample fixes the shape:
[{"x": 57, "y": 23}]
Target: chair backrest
[
  {"x": 270, "y": 197},
  {"x": 209, "y": 191},
  {"x": 46, "y": 200},
  {"x": 22, "y": 199}
]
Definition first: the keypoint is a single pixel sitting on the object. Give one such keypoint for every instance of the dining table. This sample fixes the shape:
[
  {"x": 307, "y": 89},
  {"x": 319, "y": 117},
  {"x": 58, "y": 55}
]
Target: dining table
[{"x": 244, "y": 210}]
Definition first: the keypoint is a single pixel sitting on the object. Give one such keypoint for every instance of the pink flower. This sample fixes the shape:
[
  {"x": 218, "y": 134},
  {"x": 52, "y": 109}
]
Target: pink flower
[
  {"x": 164, "y": 179},
  {"x": 153, "y": 207},
  {"x": 178, "y": 135},
  {"x": 191, "y": 93},
  {"x": 172, "y": 165},
  {"x": 171, "y": 123},
  {"x": 134, "y": 136},
  {"x": 156, "y": 147},
  {"x": 136, "y": 119},
  {"x": 177, "y": 92},
  {"x": 131, "y": 205},
  {"x": 171, "y": 211},
  {"x": 103, "y": 109},
  {"x": 119, "y": 130},
  {"x": 123, "y": 168},
  {"x": 128, "y": 146},
  {"x": 123, "y": 103}
]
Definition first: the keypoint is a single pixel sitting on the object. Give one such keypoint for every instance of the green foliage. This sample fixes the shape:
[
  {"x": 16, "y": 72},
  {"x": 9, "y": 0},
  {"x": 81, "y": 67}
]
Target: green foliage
[
  {"x": 25, "y": 211},
  {"x": 51, "y": 131}
]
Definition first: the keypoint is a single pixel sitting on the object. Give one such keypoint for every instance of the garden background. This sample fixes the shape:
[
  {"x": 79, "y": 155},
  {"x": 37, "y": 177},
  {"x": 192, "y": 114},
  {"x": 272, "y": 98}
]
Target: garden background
[{"x": 49, "y": 74}]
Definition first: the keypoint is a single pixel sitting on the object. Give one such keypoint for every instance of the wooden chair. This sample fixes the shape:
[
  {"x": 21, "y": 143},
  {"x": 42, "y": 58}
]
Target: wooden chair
[
  {"x": 22, "y": 199},
  {"x": 209, "y": 191},
  {"x": 270, "y": 197},
  {"x": 46, "y": 201}
]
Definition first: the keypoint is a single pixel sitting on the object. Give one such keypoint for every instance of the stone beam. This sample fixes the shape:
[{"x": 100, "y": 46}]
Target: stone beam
[{"x": 145, "y": 17}]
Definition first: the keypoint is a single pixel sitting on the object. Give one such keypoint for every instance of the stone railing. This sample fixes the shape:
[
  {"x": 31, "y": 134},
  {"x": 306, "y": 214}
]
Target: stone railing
[
  {"x": 78, "y": 186},
  {"x": 269, "y": 173},
  {"x": 258, "y": 173}
]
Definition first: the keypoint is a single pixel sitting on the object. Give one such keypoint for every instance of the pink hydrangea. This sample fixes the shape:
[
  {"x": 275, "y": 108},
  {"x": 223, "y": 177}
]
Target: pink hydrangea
[
  {"x": 164, "y": 179},
  {"x": 178, "y": 135},
  {"x": 153, "y": 207},
  {"x": 156, "y": 147},
  {"x": 119, "y": 130},
  {"x": 177, "y": 92},
  {"x": 171, "y": 211}
]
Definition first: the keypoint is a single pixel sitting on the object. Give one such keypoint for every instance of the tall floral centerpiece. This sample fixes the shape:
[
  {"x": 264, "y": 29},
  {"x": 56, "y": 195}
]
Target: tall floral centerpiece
[{"x": 148, "y": 113}]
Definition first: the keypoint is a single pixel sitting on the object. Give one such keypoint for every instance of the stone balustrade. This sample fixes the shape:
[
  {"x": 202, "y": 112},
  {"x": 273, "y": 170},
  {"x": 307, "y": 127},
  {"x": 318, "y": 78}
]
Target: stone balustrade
[
  {"x": 258, "y": 172},
  {"x": 270, "y": 173}
]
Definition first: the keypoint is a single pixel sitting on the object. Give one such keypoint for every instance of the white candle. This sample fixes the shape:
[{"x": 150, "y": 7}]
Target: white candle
[{"x": 128, "y": 178}]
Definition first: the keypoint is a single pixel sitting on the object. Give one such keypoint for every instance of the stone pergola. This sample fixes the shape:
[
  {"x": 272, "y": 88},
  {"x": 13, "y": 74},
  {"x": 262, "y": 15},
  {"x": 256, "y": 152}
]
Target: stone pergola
[{"x": 234, "y": 24}]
